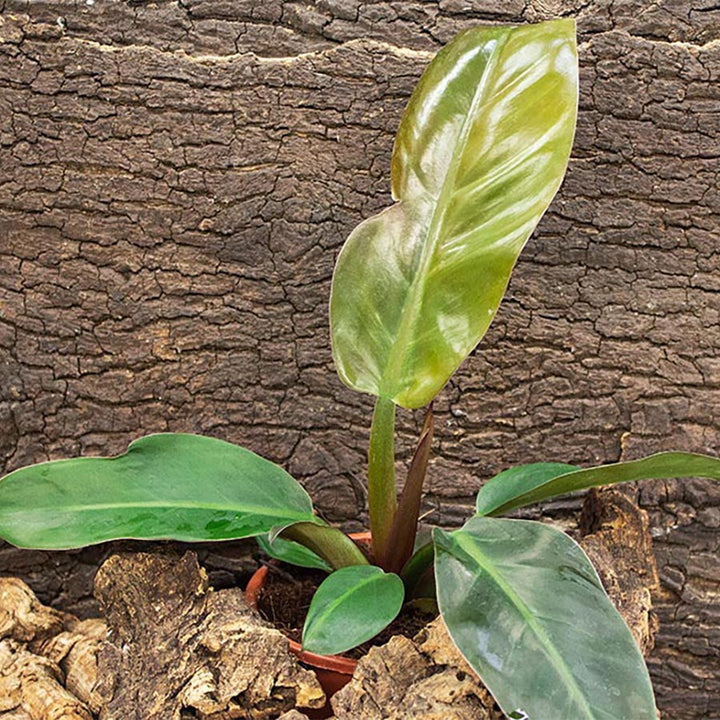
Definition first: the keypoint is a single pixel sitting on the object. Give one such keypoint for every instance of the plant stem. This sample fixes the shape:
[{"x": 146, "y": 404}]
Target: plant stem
[
  {"x": 382, "y": 492},
  {"x": 404, "y": 527},
  {"x": 329, "y": 543}
]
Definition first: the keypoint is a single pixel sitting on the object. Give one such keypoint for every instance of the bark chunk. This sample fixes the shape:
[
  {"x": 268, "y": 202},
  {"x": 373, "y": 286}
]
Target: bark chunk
[
  {"x": 176, "y": 646},
  {"x": 47, "y": 659},
  {"x": 402, "y": 679},
  {"x": 616, "y": 537}
]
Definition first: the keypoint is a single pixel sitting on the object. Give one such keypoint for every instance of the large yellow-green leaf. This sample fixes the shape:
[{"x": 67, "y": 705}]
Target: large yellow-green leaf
[
  {"x": 526, "y": 608},
  {"x": 480, "y": 152},
  {"x": 185, "y": 487}
]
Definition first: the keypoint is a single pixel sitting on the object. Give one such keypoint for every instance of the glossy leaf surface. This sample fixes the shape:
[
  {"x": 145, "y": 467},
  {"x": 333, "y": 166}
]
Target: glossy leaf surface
[
  {"x": 480, "y": 152},
  {"x": 526, "y": 608},
  {"x": 291, "y": 552},
  {"x": 351, "y": 606},
  {"x": 498, "y": 496},
  {"x": 185, "y": 487},
  {"x": 517, "y": 480}
]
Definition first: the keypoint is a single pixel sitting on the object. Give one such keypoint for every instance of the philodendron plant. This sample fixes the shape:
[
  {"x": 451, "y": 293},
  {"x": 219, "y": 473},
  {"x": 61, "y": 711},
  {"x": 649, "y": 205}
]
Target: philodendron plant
[{"x": 480, "y": 152}]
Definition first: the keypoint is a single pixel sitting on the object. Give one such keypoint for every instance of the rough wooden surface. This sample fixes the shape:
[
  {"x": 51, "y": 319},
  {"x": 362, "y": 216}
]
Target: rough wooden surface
[
  {"x": 616, "y": 536},
  {"x": 48, "y": 659},
  {"x": 177, "y": 648},
  {"x": 170, "y": 208},
  {"x": 401, "y": 679}
]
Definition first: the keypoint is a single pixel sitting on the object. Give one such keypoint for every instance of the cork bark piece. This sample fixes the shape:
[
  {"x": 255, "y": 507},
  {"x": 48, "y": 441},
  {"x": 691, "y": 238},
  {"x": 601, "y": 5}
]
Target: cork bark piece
[
  {"x": 47, "y": 659},
  {"x": 75, "y": 652},
  {"x": 176, "y": 646},
  {"x": 22, "y": 616},
  {"x": 33, "y": 685},
  {"x": 402, "y": 680},
  {"x": 616, "y": 538}
]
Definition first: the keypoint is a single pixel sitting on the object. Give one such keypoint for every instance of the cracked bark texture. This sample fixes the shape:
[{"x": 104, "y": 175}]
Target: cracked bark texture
[{"x": 170, "y": 210}]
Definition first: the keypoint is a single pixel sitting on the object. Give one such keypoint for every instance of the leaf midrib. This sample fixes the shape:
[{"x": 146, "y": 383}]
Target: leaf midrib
[
  {"x": 546, "y": 643},
  {"x": 411, "y": 306},
  {"x": 96, "y": 507}
]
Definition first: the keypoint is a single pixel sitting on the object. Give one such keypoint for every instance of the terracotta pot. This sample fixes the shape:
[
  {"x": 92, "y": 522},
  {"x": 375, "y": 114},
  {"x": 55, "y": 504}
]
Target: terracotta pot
[{"x": 333, "y": 671}]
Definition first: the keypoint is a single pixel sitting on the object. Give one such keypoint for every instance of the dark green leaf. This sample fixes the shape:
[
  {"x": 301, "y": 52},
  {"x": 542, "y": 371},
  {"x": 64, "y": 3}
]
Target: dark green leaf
[
  {"x": 526, "y": 609},
  {"x": 351, "y": 606},
  {"x": 291, "y": 552},
  {"x": 517, "y": 480},
  {"x": 480, "y": 152},
  {"x": 185, "y": 487},
  {"x": 497, "y": 497}
]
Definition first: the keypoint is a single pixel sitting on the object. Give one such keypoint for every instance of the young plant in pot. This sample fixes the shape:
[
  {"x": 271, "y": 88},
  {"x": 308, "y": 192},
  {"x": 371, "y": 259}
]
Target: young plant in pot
[{"x": 481, "y": 151}]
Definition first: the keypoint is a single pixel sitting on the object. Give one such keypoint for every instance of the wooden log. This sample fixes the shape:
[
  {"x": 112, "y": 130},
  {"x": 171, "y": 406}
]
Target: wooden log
[{"x": 177, "y": 177}]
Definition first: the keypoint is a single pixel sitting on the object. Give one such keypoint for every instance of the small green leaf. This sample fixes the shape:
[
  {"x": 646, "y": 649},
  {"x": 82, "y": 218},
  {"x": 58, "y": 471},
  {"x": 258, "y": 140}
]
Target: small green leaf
[
  {"x": 497, "y": 497},
  {"x": 183, "y": 487},
  {"x": 480, "y": 153},
  {"x": 526, "y": 608},
  {"x": 517, "y": 480},
  {"x": 351, "y": 606},
  {"x": 291, "y": 552}
]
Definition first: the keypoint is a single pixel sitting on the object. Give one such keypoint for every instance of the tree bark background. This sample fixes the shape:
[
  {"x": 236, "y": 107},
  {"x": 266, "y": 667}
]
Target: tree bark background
[{"x": 176, "y": 179}]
